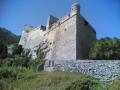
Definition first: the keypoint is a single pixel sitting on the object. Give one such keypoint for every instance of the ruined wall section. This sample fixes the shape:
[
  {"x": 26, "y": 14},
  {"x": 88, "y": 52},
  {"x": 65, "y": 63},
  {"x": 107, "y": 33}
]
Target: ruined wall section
[{"x": 86, "y": 35}]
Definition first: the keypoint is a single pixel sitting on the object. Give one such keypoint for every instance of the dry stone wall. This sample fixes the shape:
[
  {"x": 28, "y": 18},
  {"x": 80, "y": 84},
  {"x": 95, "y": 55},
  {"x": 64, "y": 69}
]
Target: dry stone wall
[{"x": 105, "y": 70}]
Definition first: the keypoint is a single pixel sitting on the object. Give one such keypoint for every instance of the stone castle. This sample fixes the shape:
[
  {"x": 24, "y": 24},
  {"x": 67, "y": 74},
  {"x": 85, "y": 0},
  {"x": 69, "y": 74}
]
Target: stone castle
[
  {"x": 67, "y": 38},
  {"x": 65, "y": 43}
]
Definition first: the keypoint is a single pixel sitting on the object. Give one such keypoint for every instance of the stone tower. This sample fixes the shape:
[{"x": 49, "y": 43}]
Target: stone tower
[
  {"x": 75, "y": 9},
  {"x": 72, "y": 37}
]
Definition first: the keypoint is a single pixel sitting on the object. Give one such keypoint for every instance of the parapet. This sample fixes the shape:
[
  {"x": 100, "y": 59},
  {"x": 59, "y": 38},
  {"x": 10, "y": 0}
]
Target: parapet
[{"x": 51, "y": 21}]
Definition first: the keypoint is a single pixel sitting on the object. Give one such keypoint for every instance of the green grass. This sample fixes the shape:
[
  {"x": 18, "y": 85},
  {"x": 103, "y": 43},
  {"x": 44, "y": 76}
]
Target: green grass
[
  {"x": 24, "y": 79},
  {"x": 46, "y": 81},
  {"x": 49, "y": 80}
]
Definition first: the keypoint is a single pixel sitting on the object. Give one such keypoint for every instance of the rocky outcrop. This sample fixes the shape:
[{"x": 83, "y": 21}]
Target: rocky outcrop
[{"x": 102, "y": 69}]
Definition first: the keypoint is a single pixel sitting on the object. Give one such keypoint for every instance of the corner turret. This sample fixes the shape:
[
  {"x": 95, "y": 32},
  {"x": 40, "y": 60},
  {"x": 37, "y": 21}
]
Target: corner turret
[{"x": 75, "y": 9}]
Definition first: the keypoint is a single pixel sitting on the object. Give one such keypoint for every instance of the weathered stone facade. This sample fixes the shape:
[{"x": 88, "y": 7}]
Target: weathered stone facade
[{"x": 68, "y": 38}]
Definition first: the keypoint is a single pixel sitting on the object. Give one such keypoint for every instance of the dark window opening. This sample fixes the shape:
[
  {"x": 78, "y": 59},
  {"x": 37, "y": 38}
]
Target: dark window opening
[
  {"x": 65, "y": 29},
  {"x": 85, "y": 23}
]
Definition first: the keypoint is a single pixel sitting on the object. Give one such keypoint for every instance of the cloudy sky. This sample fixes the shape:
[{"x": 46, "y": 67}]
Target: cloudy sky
[{"x": 103, "y": 15}]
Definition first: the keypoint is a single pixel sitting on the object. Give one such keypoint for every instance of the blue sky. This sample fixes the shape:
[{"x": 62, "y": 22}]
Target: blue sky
[{"x": 103, "y": 15}]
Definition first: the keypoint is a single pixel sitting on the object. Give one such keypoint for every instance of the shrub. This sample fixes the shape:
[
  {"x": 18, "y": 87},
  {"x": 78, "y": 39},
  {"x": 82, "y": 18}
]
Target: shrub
[
  {"x": 14, "y": 73},
  {"x": 6, "y": 62},
  {"x": 85, "y": 84},
  {"x": 36, "y": 65},
  {"x": 17, "y": 50}
]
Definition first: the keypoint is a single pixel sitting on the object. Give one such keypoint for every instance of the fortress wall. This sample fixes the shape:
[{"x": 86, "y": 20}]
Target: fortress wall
[
  {"x": 85, "y": 37},
  {"x": 34, "y": 38},
  {"x": 63, "y": 19},
  {"x": 51, "y": 36},
  {"x": 65, "y": 40},
  {"x": 23, "y": 39}
]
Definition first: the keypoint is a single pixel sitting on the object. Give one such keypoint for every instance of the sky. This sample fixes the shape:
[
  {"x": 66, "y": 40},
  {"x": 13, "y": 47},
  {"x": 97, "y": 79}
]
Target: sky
[{"x": 103, "y": 15}]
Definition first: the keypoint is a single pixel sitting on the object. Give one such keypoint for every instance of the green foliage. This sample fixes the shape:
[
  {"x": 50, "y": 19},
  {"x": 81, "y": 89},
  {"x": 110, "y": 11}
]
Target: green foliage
[
  {"x": 50, "y": 81},
  {"x": 85, "y": 84},
  {"x": 14, "y": 73},
  {"x": 17, "y": 50},
  {"x": 36, "y": 65},
  {"x": 8, "y": 37},
  {"x": 25, "y": 79},
  {"x": 3, "y": 50},
  {"x": 6, "y": 62},
  {"x": 17, "y": 61},
  {"x": 5, "y": 86},
  {"x": 40, "y": 53},
  {"x": 105, "y": 48},
  {"x": 25, "y": 62}
]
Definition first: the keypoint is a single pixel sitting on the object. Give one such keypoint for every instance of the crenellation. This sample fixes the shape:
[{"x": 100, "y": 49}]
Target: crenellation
[
  {"x": 51, "y": 21},
  {"x": 63, "y": 19},
  {"x": 55, "y": 25}
]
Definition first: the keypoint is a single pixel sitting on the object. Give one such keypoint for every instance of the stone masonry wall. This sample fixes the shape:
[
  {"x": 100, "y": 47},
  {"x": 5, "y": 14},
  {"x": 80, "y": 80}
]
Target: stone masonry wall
[
  {"x": 67, "y": 38},
  {"x": 64, "y": 40},
  {"x": 105, "y": 70},
  {"x": 86, "y": 35}
]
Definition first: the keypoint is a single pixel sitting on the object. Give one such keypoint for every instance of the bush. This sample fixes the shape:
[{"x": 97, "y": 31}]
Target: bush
[
  {"x": 85, "y": 84},
  {"x": 14, "y": 73},
  {"x": 6, "y": 62},
  {"x": 105, "y": 48},
  {"x": 17, "y": 50},
  {"x": 36, "y": 65}
]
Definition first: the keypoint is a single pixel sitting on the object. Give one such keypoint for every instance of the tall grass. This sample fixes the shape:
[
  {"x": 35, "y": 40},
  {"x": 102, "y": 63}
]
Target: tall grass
[{"x": 25, "y": 76}]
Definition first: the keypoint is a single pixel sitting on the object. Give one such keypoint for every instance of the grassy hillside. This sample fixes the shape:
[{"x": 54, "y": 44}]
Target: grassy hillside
[
  {"x": 29, "y": 80},
  {"x": 23, "y": 74},
  {"x": 49, "y": 81},
  {"x": 8, "y": 37}
]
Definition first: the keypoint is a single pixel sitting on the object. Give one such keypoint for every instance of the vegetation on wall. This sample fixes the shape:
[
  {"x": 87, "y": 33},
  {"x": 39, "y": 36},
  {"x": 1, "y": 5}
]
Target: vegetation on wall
[{"x": 105, "y": 48}]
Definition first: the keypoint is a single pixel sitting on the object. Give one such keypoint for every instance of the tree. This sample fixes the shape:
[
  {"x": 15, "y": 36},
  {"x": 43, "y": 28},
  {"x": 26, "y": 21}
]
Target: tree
[{"x": 105, "y": 48}]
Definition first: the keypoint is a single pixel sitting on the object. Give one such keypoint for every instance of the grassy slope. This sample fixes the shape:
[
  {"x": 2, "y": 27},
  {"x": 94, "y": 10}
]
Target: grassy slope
[{"x": 50, "y": 81}]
